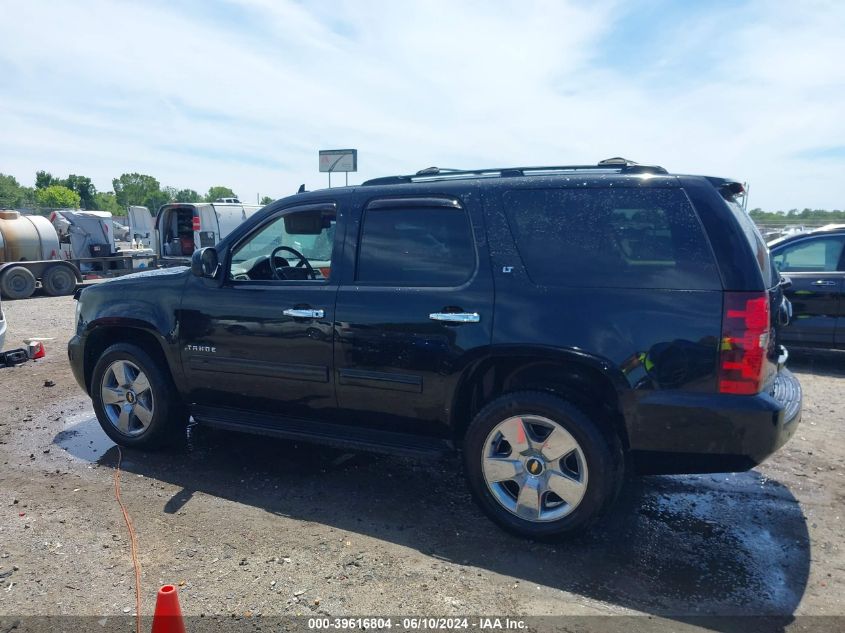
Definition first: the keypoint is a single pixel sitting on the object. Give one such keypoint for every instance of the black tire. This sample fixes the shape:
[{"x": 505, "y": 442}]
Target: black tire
[
  {"x": 59, "y": 280},
  {"x": 601, "y": 452},
  {"x": 17, "y": 283},
  {"x": 169, "y": 417}
]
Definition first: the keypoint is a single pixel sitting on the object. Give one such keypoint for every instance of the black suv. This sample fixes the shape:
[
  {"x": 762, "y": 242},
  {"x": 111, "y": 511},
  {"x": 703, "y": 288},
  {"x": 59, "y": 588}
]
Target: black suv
[
  {"x": 559, "y": 325},
  {"x": 814, "y": 262}
]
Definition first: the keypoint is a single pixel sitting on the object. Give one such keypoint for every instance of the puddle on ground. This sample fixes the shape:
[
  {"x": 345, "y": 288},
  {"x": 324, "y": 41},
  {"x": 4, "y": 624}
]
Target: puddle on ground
[
  {"x": 696, "y": 544},
  {"x": 83, "y": 438}
]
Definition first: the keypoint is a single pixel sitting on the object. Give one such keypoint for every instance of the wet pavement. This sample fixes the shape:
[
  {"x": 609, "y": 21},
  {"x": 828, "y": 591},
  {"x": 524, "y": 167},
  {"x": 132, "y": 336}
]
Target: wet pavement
[{"x": 683, "y": 545}]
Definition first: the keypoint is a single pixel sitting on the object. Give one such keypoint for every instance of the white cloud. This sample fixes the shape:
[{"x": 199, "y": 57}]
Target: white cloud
[{"x": 244, "y": 93}]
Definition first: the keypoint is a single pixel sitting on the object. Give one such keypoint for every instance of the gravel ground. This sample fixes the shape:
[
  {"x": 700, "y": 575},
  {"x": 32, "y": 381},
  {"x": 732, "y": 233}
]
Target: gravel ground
[{"x": 248, "y": 526}]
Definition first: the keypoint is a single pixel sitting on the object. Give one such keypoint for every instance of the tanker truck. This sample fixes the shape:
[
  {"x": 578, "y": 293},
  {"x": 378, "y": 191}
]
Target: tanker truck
[{"x": 30, "y": 253}]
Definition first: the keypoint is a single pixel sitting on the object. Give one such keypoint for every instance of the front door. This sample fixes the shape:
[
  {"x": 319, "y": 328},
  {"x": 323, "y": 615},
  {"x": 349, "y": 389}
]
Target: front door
[
  {"x": 263, "y": 341},
  {"x": 813, "y": 264},
  {"x": 418, "y": 304}
]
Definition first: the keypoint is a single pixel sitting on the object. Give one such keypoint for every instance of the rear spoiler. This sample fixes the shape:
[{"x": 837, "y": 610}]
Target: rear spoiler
[{"x": 731, "y": 190}]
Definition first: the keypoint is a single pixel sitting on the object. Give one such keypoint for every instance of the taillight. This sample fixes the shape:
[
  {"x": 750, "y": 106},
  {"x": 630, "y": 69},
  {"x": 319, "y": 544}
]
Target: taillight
[
  {"x": 745, "y": 340},
  {"x": 196, "y": 223}
]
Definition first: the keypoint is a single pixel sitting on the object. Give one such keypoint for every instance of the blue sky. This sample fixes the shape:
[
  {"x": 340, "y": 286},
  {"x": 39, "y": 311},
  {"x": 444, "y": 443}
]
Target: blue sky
[{"x": 243, "y": 93}]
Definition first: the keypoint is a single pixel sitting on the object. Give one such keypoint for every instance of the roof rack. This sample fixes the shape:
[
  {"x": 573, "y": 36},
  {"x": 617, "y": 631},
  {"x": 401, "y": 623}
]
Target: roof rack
[{"x": 610, "y": 165}]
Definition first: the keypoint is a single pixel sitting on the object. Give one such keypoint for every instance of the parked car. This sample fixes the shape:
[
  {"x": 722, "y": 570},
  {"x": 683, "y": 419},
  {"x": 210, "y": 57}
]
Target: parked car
[
  {"x": 558, "y": 325},
  {"x": 814, "y": 263}
]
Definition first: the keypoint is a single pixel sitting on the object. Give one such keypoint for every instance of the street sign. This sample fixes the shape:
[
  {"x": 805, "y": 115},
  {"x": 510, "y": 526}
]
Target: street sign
[{"x": 338, "y": 160}]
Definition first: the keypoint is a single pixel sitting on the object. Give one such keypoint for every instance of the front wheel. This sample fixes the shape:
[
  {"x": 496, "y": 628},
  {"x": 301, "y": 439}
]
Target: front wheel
[
  {"x": 135, "y": 400},
  {"x": 540, "y": 467}
]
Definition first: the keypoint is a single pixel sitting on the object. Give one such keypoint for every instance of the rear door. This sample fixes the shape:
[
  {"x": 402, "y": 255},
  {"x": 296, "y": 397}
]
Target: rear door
[
  {"x": 418, "y": 303},
  {"x": 141, "y": 226},
  {"x": 229, "y": 217},
  {"x": 813, "y": 264},
  {"x": 206, "y": 226}
]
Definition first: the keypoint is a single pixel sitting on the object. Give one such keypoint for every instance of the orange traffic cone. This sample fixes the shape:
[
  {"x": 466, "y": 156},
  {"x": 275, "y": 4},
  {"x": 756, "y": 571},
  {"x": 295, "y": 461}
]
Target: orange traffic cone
[{"x": 168, "y": 615}]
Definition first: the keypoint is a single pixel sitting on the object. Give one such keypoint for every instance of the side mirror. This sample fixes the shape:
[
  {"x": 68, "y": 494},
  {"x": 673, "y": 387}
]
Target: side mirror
[
  {"x": 204, "y": 262},
  {"x": 785, "y": 282}
]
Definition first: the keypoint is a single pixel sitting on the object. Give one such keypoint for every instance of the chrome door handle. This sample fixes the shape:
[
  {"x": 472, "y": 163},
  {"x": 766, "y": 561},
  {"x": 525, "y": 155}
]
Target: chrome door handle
[
  {"x": 297, "y": 313},
  {"x": 455, "y": 317},
  {"x": 824, "y": 283}
]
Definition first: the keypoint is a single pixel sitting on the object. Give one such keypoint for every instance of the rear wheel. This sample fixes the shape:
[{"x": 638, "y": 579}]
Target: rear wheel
[
  {"x": 539, "y": 467},
  {"x": 59, "y": 281},
  {"x": 17, "y": 283},
  {"x": 135, "y": 400}
]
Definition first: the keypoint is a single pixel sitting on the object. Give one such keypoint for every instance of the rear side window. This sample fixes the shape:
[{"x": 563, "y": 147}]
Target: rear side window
[
  {"x": 814, "y": 255},
  {"x": 416, "y": 247},
  {"x": 611, "y": 238}
]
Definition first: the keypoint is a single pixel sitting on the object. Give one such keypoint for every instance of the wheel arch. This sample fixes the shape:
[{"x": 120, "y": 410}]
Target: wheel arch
[
  {"x": 100, "y": 337},
  {"x": 594, "y": 384}
]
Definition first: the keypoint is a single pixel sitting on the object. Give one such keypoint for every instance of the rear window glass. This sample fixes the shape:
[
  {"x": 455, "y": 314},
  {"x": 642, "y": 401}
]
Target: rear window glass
[
  {"x": 416, "y": 247},
  {"x": 606, "y": 238}
]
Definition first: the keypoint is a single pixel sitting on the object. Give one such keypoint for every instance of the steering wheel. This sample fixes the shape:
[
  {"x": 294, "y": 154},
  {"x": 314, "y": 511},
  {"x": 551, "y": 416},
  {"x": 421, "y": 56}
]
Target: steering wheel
[{"x": 302, "y": 263}]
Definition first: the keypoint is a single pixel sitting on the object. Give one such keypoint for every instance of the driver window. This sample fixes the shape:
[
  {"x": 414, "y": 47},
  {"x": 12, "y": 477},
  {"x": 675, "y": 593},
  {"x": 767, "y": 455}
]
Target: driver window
[{"x": 294, "y": 247}]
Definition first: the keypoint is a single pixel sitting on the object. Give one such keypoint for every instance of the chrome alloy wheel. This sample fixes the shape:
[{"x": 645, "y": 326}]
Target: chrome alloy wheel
[
  {"x": 534, "y": 468},
  {"x": 127, "y": 397}
]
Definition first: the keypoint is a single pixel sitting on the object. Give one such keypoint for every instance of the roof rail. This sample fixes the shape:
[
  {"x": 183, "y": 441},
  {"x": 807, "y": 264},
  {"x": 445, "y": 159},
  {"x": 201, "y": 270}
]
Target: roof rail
[{"x": 614, "y": 165}]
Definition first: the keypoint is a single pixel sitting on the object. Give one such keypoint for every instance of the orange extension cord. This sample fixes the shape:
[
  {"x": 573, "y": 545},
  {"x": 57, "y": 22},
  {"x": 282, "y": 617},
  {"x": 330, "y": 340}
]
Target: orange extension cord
[{"x": 133, "y": 542}]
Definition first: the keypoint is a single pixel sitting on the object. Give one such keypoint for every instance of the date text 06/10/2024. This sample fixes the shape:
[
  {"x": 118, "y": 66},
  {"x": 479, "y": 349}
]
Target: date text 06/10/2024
[{"x": 417, "y": 624}]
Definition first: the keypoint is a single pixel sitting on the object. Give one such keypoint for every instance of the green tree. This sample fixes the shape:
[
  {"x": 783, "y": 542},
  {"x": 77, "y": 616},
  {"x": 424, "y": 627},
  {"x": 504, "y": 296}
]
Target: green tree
[
  {"x": 266, "y": 200},
  {"x": 794, "y": 216},
  {"x": 106, "y": 201},
  {"x": 27, "y": 198},
  {"x": 139, "y": 189},
  {"x": 219, "y": 192},
  {"x": 10, "y": 192},
  {"x": 44, "y": 179},
  {"x": 57, "y": 196},
  {"x": 84, "y": 187},
  {"x": 187, "y": 195}
]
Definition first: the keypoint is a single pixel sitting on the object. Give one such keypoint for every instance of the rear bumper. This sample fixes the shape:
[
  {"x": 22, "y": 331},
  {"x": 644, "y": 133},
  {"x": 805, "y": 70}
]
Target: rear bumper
[
  {"x": 76, "y": 356},
  {"x": 676, "y": 433}
]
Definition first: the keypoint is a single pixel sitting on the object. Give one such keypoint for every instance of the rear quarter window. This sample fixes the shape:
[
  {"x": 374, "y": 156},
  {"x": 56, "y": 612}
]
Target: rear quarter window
[{"x": 611, "y": 238}]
